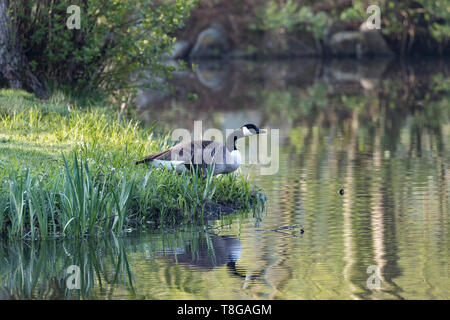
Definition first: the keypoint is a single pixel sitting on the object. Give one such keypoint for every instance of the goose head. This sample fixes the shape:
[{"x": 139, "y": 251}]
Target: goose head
[
  {"x": 250, "y": 130},
  {"x": 246, "y": 130}
]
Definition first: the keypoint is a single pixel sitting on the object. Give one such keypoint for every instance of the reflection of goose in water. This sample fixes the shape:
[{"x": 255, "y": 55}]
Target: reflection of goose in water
[{"x": 212, "y": 252}]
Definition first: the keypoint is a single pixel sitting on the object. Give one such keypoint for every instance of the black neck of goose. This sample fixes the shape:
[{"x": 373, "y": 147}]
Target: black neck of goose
[{"x": 231, "y": 142}]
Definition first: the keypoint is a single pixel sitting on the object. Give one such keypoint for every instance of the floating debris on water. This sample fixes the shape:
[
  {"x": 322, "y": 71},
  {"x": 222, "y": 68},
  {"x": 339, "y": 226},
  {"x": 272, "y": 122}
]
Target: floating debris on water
[
  {"x": 292, "y": 227},
  {"x": 286, "y": 227}
]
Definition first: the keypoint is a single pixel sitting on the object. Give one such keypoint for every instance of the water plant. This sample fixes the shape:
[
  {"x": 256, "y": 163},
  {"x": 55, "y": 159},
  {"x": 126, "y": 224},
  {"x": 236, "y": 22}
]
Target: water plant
[
  {"x": 80, "y": 202},
  {"x": 39, "y": 269},
  {"x": 72, "y": 174}
]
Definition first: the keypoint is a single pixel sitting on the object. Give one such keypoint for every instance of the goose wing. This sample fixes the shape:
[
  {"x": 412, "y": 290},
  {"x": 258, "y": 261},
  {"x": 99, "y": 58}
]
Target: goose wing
[{"x": 187, "y": 152}]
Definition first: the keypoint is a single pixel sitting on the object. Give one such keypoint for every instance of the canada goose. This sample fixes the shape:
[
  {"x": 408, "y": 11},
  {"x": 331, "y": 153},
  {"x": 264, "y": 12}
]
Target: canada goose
[{"x": 202, "y": 154}]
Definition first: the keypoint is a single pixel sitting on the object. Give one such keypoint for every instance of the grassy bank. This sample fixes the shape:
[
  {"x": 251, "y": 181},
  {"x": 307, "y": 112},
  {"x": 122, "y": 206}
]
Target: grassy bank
[{"x": 69, "y": 174}]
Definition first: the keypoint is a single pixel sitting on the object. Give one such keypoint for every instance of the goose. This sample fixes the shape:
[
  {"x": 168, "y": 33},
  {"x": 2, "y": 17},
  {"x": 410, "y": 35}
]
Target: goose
[{"x": 204, "y": 154}]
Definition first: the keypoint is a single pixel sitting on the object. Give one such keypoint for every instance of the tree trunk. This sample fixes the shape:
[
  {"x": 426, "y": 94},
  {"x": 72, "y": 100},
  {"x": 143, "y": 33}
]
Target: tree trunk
[{"x": 14, "y": 66}]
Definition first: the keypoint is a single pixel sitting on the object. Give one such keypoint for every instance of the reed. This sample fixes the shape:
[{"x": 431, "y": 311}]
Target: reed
[
  {"x": 38, "y": 269},
  {"x": 94, "y": 187}
]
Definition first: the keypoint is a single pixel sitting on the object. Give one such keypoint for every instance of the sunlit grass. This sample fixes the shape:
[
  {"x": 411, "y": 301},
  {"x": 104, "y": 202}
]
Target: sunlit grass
[{"x": 71, "y": 174}]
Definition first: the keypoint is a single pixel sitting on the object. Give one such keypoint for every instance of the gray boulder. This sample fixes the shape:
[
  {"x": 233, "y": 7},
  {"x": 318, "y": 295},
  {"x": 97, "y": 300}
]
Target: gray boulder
[
  {"x": 359, "y": 43},
  {"x": 179, "y": 50},
  {"x": 374, "y": 43},
  {"x": 283, "y": 44},
  {"x": 347, "y": 43},
  {"x": 211, "y": 43},
  {"x": 213, "y": 74},
  {"x": 333, "y": 28}
]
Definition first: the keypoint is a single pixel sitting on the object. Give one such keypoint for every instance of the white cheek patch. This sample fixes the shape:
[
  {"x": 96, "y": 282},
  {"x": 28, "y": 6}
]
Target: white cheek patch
[{"x": 246, "y": 132}]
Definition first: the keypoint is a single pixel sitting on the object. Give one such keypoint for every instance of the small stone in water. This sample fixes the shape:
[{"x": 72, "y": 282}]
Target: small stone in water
[{"x": 341, "y": 192}]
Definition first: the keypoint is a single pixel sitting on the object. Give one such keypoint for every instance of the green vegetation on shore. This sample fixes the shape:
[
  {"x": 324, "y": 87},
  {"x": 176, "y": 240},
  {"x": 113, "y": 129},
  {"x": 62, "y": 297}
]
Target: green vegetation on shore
[
  {"x": 69, "y": 174},
  {"x": 293, "y": 28}
]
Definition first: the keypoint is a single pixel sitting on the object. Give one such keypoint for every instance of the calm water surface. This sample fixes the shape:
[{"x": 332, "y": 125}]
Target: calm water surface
[{"x": 379, "y": 130}]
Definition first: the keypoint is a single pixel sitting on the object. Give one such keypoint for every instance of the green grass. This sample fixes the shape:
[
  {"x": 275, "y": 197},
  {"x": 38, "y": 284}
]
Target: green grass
[{"x": 72, "y": 174}]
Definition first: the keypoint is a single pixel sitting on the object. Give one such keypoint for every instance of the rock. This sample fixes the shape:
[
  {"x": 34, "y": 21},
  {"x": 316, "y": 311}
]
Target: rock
[
  {"x": 243, "y": 54},
  {"x": 213, "y": 74},
  {"x": 211, "y": 43},
  {"x": 348, "y": 76},
  {"x": 361, "y": 43},
  {"x": 179, "y": 50},
  {"x": 355, "y": 70},
  {"x": 347, "y": 43},
  {"x": 285, "y": 45},
  {"x": 333, "y": 27},
  {"x": 374, "y": 43}
]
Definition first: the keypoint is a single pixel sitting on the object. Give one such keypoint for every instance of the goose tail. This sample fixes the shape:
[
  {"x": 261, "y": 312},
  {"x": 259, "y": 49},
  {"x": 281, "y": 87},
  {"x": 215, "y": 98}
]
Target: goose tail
[
  {"x": 141, "y": 161},
  {"x": 153, "y": 157}
]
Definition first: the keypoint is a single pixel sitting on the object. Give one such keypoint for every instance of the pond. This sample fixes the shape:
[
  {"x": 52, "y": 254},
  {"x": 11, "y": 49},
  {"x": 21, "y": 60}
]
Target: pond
[{"x": 364, "y": 171}]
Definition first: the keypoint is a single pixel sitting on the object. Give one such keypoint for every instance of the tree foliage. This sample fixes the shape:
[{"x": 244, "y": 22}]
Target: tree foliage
[
  {"x": 407, "y": 21},
  {"x": 291, "y": 15},
  {"x": 118, "y": 39}
]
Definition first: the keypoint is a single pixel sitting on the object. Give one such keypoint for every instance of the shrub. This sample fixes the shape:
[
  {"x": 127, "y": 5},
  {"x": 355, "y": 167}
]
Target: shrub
[{"x": 117, "y": 39}]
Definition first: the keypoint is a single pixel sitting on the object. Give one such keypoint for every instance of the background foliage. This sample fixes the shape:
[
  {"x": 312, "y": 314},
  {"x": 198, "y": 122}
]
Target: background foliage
[{"x": 117, "y": 39}]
